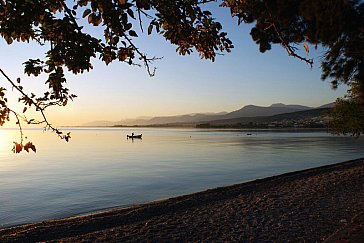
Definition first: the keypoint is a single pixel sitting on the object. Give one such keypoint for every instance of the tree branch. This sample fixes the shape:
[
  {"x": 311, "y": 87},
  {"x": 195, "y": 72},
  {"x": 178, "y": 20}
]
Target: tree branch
[
  {"x": 290, "y": 50},
  {"x": 48, "y": 125},
  {"x": 70, "y": 15},
  {"x": 19, "y": 125},
  {"x": 140, "y": 20},
  {"x": 145, "y": 59}
]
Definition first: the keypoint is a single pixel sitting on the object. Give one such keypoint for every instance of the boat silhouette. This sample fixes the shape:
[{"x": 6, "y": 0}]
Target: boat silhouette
[{"x": 132, "y": 136}]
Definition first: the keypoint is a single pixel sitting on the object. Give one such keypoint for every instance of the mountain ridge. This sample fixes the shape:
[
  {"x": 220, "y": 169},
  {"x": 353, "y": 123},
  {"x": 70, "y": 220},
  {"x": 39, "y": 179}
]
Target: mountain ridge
[{"x": 246, "y": 111}]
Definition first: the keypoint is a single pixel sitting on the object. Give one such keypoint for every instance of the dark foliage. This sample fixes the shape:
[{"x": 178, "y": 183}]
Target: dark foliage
[
  {"x": 337, "y": 25},
  {"x": 56, "y": 24}
]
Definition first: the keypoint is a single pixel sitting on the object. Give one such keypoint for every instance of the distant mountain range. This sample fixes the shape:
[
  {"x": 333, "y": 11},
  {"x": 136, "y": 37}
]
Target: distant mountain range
[
  {"x": 245, "y": 112},
  {"x": 255, "y": 111},
  {"x": 302, "y": 118}
]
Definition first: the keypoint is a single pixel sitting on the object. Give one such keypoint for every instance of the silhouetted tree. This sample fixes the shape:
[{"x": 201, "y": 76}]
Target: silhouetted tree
[
  {"x": 337, "y": 25},
  {"x": 56, "y": 24},
  {"x": 348, "y": 115}
]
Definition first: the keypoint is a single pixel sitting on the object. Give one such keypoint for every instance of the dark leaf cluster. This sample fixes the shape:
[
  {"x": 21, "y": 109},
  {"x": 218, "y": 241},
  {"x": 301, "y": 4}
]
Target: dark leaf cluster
[
  {"x": 344, "y": 109},
  {"x": 18, "y": 147},
  {"x": 58, "y": 25},
  {"x": 4, "y": 110},
  {"x": 337, "y": 25}
]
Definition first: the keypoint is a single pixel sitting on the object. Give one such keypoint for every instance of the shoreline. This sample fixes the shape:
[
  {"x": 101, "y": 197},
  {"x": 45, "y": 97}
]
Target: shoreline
[{"x": 310, "y": 205}]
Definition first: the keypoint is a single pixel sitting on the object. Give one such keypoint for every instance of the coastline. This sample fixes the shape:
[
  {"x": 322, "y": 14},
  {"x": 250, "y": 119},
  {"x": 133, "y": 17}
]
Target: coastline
[{"x": 308, "y": 205}]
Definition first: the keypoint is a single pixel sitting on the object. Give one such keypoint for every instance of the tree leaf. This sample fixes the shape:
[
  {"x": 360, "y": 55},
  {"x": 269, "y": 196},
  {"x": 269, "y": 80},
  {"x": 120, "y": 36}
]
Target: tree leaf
[
  {"x": 306, "y": 48},
  {"x": 130, "y": 12},
  {"x": 207, "y": 13},
  {"x": 86, "y": 12},
  {"x": 90, "y": 18},
  {"x": 17, "y": 147},
  {"x": 30, "y": 145},
  {"x": 133, "y": 33},
  {"x": 150, "y": 29},
  {"x": 98, "y": 21}
]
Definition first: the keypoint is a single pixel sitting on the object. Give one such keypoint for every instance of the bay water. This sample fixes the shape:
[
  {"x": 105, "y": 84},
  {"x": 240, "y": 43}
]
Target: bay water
[{"x": 101, "y": 169}]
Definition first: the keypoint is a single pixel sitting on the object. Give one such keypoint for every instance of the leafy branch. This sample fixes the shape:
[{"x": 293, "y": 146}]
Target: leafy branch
[
  {"x": 39, "y": 107},
  {"x": 291, "y": 50}
]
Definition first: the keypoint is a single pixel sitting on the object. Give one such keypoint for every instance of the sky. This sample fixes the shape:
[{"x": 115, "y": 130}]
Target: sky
[{"x": 182, "y": 84}]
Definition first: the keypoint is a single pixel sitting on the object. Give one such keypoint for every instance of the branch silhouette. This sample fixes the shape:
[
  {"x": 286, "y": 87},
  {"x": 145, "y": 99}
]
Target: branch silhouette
[{"x": 39, "y": 108}]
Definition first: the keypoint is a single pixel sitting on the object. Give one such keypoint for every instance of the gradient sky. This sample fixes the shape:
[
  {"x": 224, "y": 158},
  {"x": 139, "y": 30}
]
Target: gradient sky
[{"x": 183, "y": 84}]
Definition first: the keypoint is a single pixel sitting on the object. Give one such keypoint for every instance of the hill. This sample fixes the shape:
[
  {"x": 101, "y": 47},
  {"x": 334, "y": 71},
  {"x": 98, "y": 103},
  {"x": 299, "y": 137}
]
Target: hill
[
  {"x": 274, "y": 109},
  {"x": 314, "y": 118},
  {"x": 246, "y": 111}
]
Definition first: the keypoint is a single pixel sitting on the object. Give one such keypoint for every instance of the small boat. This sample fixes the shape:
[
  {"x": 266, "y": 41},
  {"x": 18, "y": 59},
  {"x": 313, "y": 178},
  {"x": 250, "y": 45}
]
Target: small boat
[{"x": 134, "y": 136}]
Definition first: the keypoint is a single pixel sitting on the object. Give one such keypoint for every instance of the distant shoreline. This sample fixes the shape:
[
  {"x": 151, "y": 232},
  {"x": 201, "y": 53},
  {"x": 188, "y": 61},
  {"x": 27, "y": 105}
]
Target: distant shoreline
[
  {"x": 307, "y": 205},
  {"x": 212, "y": 128}
]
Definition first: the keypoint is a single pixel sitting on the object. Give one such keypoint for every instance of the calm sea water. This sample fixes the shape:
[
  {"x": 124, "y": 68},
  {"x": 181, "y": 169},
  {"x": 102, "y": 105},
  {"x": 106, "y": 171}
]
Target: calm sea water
[{"x": 100, "y": 169}]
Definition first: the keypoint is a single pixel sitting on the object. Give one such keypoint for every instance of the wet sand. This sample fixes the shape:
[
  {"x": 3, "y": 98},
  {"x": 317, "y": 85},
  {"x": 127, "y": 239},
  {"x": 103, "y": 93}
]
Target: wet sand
[{"x": 324, "y": 203}]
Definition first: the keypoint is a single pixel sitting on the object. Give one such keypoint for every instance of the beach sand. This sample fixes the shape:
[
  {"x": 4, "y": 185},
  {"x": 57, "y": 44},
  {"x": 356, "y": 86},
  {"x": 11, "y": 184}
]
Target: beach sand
[{"x": 324, "y": 203}]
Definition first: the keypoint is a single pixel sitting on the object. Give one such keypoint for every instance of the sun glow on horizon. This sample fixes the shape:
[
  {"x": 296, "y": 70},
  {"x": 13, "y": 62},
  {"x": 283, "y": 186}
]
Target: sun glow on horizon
[{"x": 7, "y": 136}]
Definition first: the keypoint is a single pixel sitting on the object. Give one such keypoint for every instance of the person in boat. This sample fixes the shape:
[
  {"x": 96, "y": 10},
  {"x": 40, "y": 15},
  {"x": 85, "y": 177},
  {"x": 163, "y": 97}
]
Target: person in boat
[{"x": 134, "y": 136}]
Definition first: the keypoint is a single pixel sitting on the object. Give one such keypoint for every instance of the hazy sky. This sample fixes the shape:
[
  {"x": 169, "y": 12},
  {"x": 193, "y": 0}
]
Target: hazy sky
[{"x": 183, "y": 84}]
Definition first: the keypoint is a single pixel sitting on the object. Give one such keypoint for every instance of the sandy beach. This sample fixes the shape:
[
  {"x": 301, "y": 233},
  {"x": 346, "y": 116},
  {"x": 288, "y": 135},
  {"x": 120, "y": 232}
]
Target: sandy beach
[{"x": 324, "y": 203}]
